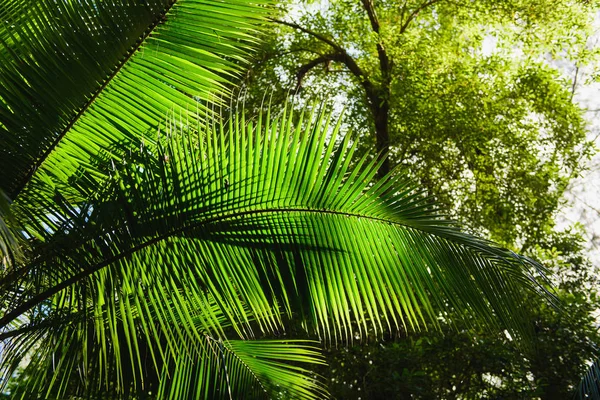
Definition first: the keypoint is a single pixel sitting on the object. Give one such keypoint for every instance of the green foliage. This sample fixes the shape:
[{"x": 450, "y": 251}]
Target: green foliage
[
  {"x": 230, "y": 231},
  {"x": 466, "y": 363},
  {"x": 66, "y": 68},
  {"x": 479, "y": 112},
  {"x": 10, "y": 250}
]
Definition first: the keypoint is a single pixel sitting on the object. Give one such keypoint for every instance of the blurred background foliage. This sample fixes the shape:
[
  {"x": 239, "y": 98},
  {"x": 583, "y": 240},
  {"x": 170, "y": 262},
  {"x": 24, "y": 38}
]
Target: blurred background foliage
[{"x": 478, "y": 103}]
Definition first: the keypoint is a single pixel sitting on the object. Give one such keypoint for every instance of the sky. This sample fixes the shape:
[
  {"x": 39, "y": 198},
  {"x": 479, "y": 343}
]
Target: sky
[{"x": 583, "y": 194}]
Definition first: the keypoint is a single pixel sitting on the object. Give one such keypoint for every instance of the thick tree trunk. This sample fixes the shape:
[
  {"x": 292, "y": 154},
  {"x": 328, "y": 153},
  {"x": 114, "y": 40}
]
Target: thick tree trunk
[
  {"x": 377, "y": 93},
  {"x": 382, "y": 136}
]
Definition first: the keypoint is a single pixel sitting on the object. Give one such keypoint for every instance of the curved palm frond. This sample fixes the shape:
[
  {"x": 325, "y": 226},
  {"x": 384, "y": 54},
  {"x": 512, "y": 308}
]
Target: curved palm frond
[
  {"x": 589, "y": 387},
  {"x": 10, "y": 250},
  {"x": 264, "y": 221},
  {"x": 114, "y": 358},
  {"x": 241, "y": 369},
  {"x": 77, "y": 77}
]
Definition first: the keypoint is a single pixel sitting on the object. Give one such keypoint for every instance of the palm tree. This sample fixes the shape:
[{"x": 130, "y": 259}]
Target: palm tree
[{"x": 172, "y": 252}]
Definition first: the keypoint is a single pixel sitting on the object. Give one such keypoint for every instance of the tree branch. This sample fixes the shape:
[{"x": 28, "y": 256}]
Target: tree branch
[
  {"x": 416, "y": 12},
  {"x": 342, "y": 56},
  {"x": 304, "y": 69},
  {"x": 314, "y": 34},
  {"x": 403, "y": 11},
  {"x": 574, "y": 85},
  {"x": 377, "y": 97},
  {"x": 384, "y": 61},
  {"x": 368, "y": 5}
]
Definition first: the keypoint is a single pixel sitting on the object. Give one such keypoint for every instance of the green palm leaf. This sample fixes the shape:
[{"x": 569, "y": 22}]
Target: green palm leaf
[
  {"x": 175, "y": 263},
  {"x": 76, "y": 77},
  {"x": 238, "y": 230},
  {"x": 244, "y": 369},
  {"x": 10, "y": 250},
  {"x": 589, "y": 387}
]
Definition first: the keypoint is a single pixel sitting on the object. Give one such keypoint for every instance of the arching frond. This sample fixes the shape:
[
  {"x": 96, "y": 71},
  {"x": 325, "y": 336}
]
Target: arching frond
[
  {"x": 589, "y": 387},
  {"x": 239, "y": 230},
  {"x": 79, "y": 76}
]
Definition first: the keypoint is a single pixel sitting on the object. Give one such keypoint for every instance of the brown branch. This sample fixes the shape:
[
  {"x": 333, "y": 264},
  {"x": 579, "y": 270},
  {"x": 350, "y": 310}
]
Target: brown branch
[
  {"x": 380, "y": 100},
  {"x": 416, "y": 12},
  {"x": 403, "y": 11},
  {"x": 342, "y": 56},
  {"x": 368, "y": 5},
  {"x": 384, "y": 61},
  {"x": 314, "y": 34},
  {"x": 304, "y": 69},
  {"x": 377, "y": 97}
]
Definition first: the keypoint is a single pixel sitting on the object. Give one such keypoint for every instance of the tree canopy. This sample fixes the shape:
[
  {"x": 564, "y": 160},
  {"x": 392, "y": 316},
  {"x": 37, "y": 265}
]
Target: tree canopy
[{"x": 467, "y": 96}]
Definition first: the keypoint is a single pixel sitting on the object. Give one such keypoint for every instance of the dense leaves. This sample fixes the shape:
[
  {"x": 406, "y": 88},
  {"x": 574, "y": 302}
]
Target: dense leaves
[
  {"x": 476, "y": 101},
  {"x": 77, "y": 78},
  {"x": 467, "y": 96},
  {"x": 469, "y": 363}
]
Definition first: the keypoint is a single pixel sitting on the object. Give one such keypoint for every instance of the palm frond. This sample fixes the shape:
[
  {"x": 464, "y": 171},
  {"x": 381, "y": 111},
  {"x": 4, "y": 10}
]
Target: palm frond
[
  {"x": 240, "y": 369},
  {"x": 114, "y": 358},
  {"x": 589, "y": 387},
  {"x": 76, "y": 77},
  {"x": 10, "y": 249},
  {"x": 240, "y": 229}
]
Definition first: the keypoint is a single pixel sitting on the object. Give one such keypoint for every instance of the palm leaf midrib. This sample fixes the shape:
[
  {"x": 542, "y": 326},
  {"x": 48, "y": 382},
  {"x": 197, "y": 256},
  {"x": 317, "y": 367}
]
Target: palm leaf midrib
[{"x": 7, "y": 318}]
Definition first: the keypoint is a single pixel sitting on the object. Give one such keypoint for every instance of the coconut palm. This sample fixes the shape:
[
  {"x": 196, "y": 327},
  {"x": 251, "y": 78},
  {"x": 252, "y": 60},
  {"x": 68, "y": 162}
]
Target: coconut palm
[{"x": 171, "y": 252}]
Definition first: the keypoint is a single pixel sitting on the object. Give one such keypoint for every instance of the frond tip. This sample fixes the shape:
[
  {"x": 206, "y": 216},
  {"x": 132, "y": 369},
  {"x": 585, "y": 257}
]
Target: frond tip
[{"x": 589, "y": 387}]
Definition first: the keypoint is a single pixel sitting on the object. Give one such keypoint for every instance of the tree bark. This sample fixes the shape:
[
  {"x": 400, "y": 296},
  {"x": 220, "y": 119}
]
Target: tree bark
[
  {"x": 381, "y": 114},
  {"x": 377, "y": 93}
]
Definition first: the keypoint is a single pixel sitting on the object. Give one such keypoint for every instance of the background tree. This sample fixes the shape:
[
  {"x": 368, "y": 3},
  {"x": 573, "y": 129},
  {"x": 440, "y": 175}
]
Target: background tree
[
  {"x": 466, "y": 96},
  {"x": 461, "y": 362}
]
